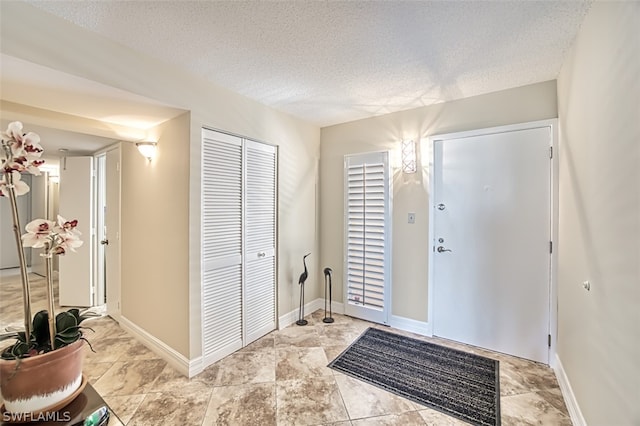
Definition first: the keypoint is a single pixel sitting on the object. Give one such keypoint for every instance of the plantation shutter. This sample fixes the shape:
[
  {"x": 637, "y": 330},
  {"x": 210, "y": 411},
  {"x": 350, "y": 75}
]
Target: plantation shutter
[
  {"x": 221, "y": 244},
  {"x": 260, "y": 239},
  {"x": 367, "y": 242}
]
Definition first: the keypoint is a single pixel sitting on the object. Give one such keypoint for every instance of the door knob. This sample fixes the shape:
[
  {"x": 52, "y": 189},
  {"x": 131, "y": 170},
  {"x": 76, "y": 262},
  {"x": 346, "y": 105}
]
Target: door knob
[
  {"x": 441, "y": 206},
  {"x": 441, "y": 249},
  {"x": 104, "y": 242},
  {"x": 262, "y": 254}
]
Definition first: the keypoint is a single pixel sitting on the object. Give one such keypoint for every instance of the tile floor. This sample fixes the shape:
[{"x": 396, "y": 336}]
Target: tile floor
[{"x": 281, "y": 379}]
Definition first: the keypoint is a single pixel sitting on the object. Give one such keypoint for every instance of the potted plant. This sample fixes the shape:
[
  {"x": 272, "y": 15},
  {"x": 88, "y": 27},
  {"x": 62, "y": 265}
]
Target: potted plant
[{"x": 42, "y": 370}]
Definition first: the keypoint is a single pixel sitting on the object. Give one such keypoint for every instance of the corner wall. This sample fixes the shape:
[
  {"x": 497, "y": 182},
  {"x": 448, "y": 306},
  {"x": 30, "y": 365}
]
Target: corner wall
[
  {"x": 599, "y": 224},
  {"x": 155, "y": 231},
  {"x": 410, "y": 246}
]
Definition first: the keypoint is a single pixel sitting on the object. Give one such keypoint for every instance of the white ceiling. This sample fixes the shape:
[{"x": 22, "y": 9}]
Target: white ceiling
[{"x": 329, "y": 62}]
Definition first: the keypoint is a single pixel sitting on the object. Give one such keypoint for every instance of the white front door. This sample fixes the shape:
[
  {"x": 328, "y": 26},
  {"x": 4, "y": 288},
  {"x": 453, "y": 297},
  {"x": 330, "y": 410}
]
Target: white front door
[{"x": 491, "y": 240}]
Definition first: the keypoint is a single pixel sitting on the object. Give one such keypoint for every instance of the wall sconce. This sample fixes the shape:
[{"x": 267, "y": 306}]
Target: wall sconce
[
  {"x": 409, "y": 157},
  {"x": 147, "y": 149}
]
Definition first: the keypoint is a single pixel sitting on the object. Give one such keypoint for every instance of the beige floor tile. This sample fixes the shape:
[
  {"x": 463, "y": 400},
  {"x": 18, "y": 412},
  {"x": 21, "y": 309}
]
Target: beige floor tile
[
  {"x": 332, "y": 352},
  {"x": 241, "y": 368},
  {"x": 405, "y": 419},
  {"x": 365, "y": 400},
  {"x": 265, "y": 343},
  {"x": 530, "y": 409},
  {"x": 170, "y": 379},
  {"x": 436, "y": 418},
  {"x": 250, "y": 405},
  {"x": 336, "y": 335},
  {"x": 306, "y": 337},
  {"x": 93, "y": 371},
  {"x": 293, "y": 363},
  {"x": 129, "y": 378},
  {"x": 309, "y": 402},
  {"x": 124, "y": 406},
  {"x": 180, "y": 407}
]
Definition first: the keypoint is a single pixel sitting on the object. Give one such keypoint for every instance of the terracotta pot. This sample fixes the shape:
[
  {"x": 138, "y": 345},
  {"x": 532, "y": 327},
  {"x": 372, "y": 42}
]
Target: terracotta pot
[{"x": 38, "y": 383}]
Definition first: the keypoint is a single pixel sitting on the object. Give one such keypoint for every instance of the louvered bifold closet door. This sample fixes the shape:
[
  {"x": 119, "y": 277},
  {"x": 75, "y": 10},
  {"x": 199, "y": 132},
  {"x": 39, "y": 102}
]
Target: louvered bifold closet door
[
  {"x": 367, "y": 242},
  {"x": 221, "y": 245},
  {"x": 260, "y": 239}
]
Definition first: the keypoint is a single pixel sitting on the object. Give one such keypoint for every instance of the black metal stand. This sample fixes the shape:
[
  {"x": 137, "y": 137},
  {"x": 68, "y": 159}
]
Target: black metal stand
[
  {"x": 301, "y": 320},
  {"x": 327, "y": 274}
]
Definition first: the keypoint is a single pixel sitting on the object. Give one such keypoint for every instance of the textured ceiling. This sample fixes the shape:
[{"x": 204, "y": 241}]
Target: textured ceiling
[{"x": 334, "y": 61}]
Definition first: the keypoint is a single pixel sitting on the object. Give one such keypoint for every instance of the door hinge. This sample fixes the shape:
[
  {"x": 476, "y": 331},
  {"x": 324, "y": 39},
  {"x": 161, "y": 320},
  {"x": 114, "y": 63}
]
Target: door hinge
[
  {"x": 550, "y": 246},
  {"x": 550, "y": 152},
  {"x": 549, "y": 340}
]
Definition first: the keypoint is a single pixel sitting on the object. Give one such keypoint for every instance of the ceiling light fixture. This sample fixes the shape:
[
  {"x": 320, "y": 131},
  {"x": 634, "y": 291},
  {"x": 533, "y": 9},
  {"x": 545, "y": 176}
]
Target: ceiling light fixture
[{"x": 147, "y": 149}]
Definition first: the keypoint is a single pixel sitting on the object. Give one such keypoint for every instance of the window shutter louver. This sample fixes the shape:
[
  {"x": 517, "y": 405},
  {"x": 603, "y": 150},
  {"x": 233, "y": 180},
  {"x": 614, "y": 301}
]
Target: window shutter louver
[{"x": 367, "y": 236}]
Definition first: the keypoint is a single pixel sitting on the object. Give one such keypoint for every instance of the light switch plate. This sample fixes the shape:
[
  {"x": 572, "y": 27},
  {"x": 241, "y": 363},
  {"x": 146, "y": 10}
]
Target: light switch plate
[{"x": 411, "y": 218}]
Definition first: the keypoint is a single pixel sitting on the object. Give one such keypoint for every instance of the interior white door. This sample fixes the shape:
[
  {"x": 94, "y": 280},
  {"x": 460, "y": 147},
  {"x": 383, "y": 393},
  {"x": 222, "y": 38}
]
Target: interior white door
[
  {"x": 259, "y": 239},
  {"x": 76, "y": 202},
  {"x": 112, "y": 232},
  {"x": 222, "y": 263},
  {"x": 367, "y": 236},
  {"x": 491, "y": 241}
]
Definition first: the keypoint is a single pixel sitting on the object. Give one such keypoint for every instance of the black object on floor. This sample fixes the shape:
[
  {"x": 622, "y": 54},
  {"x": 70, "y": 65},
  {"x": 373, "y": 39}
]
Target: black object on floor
[
  {"x": 327, "y": 275},
  {"x": 301, "y": 280},
  {"x": 457, "y": 383}
]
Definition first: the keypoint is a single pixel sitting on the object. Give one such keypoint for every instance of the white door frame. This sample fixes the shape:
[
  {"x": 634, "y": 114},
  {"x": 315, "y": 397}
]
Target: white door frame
[
  {"x": 552, "y": 124},
  {"x": 113, "y": 285}
]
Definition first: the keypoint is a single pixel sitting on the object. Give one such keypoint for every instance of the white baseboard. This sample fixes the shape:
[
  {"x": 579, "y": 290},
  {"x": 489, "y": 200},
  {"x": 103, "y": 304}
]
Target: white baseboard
[
  {"x": 567, "y": 393},
  {"x": 178, "y": 361},
  {"x": 408, "y": 324},
  {"x": 291, "y": 317},
  {"x": 336, "y": 307},
  {"x": 401, "y": 323}
]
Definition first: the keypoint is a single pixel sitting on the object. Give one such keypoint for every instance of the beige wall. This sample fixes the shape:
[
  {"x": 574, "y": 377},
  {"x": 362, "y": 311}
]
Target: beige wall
[
  {"x": 60, "y": 45},
  {"x": 154, "y": 226},
  {"x": 599, "y": 224},
  {"x": 410, "y": 192}
]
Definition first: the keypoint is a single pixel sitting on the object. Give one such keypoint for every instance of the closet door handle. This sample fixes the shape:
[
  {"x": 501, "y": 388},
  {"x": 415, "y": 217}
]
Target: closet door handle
[{"x": 262, "y": 254}]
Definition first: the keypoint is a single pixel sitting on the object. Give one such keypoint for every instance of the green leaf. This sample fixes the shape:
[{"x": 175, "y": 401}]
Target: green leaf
[
  {"x": 65, "y": 320},
  {"x": 40, "y": 330}
]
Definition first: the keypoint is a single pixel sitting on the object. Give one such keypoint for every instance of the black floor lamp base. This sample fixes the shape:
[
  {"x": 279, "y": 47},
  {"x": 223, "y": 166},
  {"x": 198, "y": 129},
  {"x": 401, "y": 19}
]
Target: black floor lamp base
[
  {"x": 302, "y": 322},
  {"x": 328, "y": 320}
]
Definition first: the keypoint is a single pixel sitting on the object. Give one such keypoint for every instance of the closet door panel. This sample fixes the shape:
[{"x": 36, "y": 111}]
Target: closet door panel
[
  {"x": 221, "y": 245},
  {"x": 260, "y": 239}
]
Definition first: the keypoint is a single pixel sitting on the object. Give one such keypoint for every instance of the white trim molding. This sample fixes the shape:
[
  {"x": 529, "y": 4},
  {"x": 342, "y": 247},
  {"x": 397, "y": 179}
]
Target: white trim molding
[
  {"x": 411, "y": 325},
  {"x": 178, "y": 361},
  {"x": 567, "y": 393},
  {"x": 291, "y": 317}
]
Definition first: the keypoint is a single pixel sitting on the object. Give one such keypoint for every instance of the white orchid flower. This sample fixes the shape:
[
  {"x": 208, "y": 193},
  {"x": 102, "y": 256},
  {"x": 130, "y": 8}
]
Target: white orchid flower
[
  {"x": 39, "y": 232},
  {"x": 66, "y": 241},
  {"x": 21, "y": 151},
  {"x": 14, "y": 132},
  {"x": 19, "y": 186}
]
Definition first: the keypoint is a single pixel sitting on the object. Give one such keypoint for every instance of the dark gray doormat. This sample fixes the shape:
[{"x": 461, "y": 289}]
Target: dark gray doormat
[{"x": 457, "y": 383}]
